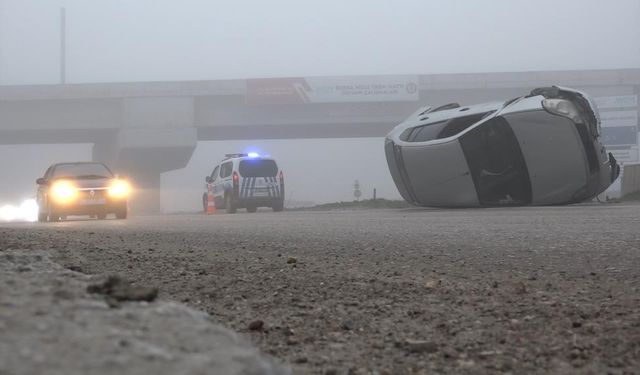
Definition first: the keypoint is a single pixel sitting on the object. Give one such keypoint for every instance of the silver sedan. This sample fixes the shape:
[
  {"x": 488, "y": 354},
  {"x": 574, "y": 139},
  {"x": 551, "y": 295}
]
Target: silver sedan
[{"x": 539, "y": 149}]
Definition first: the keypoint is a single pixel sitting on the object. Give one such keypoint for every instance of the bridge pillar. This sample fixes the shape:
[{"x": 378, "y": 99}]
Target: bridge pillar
[{"x": 157, "y": 136}]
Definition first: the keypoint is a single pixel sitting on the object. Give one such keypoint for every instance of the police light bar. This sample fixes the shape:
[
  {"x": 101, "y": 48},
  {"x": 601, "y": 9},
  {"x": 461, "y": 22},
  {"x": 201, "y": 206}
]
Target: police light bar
[{"x": 227, "y": 156}]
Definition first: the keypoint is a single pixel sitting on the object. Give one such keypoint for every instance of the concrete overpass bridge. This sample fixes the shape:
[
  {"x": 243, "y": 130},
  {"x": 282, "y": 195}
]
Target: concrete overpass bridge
[{"x": 146, "y": 128}]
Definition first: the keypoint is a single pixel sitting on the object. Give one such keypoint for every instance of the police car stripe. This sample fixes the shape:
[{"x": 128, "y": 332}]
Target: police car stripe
[
  {"x": 253, "y": 186},
  {"x": 247, "y": 181},
  {"x": 245, "y": 191},
  {"x": 272, "y": 188},
  {"x": 275, "y": 187}
]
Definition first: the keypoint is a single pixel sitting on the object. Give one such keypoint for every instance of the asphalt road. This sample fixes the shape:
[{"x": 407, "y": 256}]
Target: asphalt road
[{"x": 526, "y": 290}]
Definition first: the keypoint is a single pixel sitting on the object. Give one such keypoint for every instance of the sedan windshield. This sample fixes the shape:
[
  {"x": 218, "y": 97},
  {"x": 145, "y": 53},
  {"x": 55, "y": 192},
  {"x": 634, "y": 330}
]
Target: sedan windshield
[{"x": 82, "y": 171}]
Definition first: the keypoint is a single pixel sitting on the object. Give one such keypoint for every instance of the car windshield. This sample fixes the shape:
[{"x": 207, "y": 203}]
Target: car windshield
[
  {"x": 258, "y": 168},
  {"x": 82, "y": 171}
]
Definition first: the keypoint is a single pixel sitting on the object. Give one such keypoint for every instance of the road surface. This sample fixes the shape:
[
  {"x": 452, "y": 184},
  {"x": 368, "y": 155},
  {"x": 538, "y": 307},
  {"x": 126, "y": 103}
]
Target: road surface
[{"x": 524, "y": 290}]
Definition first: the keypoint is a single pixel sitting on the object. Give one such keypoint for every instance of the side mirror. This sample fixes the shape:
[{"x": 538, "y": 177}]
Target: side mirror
[
  {"x": 207, "y": 180},
  {"x": 42, "y": 181}
]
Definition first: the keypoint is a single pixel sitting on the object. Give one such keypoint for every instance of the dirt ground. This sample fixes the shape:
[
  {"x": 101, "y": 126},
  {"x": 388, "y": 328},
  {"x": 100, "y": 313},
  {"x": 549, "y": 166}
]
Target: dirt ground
[{"x": 407, "y": 291}]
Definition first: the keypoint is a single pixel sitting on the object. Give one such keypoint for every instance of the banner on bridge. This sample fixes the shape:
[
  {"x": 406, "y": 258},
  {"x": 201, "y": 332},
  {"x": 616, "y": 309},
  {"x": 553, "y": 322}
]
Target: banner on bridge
[{"x": 332, "y": 89}]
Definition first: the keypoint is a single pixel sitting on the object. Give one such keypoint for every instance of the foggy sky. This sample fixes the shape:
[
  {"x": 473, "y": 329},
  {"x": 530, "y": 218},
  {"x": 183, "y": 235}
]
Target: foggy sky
[
  {"x": 150, "y": 40},
  {"x": 161, "y": 40}
]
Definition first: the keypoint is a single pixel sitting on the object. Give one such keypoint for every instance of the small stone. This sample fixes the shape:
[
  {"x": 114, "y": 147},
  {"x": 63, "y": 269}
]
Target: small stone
[
  {"x": 576, "y": 324},
  {"x": 348, "y": 325},
  {"x": 450, "y": 353},
  {"x": 256, "y": 325},
  {"x": 330, "y": 371},
  {"x": 431, "y": 284},
  {"x": 420, "y": 346},
  {"x": 520, "y": 288},
  {"x": 292, "y": 260},
  {"x": 302, "y": 359}
]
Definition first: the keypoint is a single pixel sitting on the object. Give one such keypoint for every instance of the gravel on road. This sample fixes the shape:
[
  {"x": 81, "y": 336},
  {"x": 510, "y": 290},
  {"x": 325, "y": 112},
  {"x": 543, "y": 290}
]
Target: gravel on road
[{"x": 407, "y": 291}]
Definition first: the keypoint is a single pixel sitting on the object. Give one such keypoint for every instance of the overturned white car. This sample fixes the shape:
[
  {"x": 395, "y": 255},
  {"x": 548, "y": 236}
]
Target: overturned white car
[{"x": 538, "y": 149}]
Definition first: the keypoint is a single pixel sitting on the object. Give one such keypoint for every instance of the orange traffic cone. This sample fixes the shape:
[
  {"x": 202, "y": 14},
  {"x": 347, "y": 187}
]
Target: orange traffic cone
[{"x": 211, "y": 203}]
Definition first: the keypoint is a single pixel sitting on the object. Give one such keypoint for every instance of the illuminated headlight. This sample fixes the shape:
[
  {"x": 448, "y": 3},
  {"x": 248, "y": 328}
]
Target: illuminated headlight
[
  {"x": 63, "y": 192},
  {"x": 564, "y": 108},
  {"x": 119, "y": 189}
]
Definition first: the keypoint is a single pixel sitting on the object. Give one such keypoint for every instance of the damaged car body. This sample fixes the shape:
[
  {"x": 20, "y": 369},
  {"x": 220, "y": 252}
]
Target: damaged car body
[{"x": 538, "y": 149}]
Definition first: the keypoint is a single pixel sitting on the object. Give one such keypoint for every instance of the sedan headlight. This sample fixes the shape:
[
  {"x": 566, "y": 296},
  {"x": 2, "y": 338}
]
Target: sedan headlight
[
  {"x": 119, "y": 189},
  {"x": 63, "y": 191}
]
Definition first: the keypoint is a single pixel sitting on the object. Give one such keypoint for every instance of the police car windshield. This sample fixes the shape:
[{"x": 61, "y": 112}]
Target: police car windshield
[
  {"x": 258, "y": 168},
  {"x": 82, "y": 171}
]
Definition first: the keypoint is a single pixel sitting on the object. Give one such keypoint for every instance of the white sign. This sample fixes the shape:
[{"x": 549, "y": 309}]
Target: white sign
[
  {"x": 619, "y": 118},
  {"x": 620, "y": 101},
  {"x": 333, "y": 89},
  {"x": 627, "y": 155}
]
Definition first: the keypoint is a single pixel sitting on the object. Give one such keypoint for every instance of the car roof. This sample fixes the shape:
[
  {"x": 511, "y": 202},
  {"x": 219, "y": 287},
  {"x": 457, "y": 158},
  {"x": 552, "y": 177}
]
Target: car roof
[
  {"x": 247, "y": 158},
  {"x": 78, "y": 163}
]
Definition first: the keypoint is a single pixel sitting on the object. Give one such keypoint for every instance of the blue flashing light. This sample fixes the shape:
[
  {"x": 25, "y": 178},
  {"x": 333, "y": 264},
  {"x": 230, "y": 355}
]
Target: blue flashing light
[{"x": 253, "y": 155}]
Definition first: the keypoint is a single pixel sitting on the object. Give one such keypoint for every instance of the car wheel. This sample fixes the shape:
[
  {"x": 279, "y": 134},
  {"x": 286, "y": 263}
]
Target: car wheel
[
  {"x": 229, "y": 205},
  {"x": 278, "y": 207},
  {"x": 252, "y": 209},
  {"x": 205, "y": 203},
  {"x": 121, "y": 215},
  {"x": 52, "y": 216},
  {"x": 102, "y": 216}
]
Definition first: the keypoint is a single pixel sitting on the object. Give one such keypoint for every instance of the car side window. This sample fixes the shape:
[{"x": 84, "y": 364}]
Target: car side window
[
  {"x": 225, "y": 169},
  {"x": 214, "y": 174},
  {"x": 47, "y": 174}
]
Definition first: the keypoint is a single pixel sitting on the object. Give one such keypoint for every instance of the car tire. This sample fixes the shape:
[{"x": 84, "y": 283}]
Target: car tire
[
  {"x": 121, "y": 215},
  {"x": 52, "y": 216},
  {"x": 229, "y": 205},
  {"x": 205, "y": 203},
  {"x": 101, "y": 216},
  {"x": 42, "y": 217},
  {"x": 278, "y": 207},
  {"x": 252, "y": 209}
]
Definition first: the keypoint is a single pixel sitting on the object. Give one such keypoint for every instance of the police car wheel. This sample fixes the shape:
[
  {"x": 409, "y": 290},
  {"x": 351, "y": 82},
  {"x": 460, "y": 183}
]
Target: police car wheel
[
  {"x": 102, "y": 216},
  {"x": 42, "y": 217},
  {"x": 229, "y": 206},
  {"x": 121, "y": 215},
  {"x": 252, "y": 209},
  {"x": 278, "y": 207}
]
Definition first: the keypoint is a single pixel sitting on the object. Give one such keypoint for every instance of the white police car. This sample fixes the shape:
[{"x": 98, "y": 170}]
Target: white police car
[{"x": 245, "y": 181}]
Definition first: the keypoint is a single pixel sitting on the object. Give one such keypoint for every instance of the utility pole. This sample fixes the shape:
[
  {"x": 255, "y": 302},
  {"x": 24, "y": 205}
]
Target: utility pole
[{"x": 63, "y": 46}]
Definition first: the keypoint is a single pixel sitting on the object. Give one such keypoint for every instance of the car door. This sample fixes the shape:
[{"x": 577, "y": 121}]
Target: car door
[
  {"x": 224, "y": 180},
  {"x": 555, "y": 157}
]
